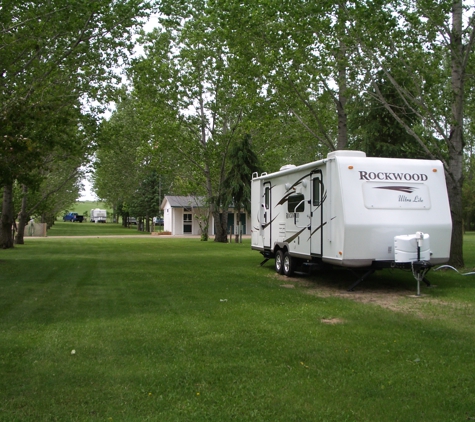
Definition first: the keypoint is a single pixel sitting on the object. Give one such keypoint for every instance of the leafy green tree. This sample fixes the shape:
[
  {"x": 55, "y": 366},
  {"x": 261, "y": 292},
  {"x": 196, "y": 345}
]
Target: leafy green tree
[
  {"x": 433, "y": 43},
  {"x": 375, "y": 131},
  {"x": 44, "y": 130},
  {"x": 302, "y": 54},
  {"x": 146, "y": 201},
  {"x": 118, "y": 166},
  {"x": 58, "y": 187},
  {"x": 187, "y": 78},
  {"x": 52, "y": 56}
]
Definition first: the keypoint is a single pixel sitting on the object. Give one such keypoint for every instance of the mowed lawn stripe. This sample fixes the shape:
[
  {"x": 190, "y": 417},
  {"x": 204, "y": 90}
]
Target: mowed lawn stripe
[{"x": 178, "y": 329}]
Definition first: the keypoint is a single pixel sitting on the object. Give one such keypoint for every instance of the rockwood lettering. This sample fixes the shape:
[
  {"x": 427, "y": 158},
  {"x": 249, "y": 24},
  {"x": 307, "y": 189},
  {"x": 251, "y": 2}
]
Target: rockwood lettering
[{"x": 382, "y": 175}]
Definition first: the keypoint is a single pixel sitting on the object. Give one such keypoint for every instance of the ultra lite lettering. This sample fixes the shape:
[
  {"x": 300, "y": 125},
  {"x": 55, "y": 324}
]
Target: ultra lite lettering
[
  {"x": 381, "y": 175},
  {"x": 404, "y": 198}
]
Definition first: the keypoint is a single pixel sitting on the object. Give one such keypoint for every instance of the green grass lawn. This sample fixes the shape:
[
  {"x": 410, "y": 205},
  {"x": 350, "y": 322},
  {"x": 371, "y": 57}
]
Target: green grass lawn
[
  {"x": 61, "y": 228},
  {"x": 168, "y": 329}
]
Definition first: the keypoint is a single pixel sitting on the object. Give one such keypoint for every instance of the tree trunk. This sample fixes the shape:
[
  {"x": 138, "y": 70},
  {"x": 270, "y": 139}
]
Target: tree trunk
[
  {"x": 455, "y": 144},
  {"x": 456, "y": 244},
  {"x": 220, "y": 226},
  {"x": 22, "y": 218},
  {"x": 342, "y": 84},
  {"x": 341, "y": 108},
  {"x": 6, "y": 238},
  {"x": 341, "y": 60}
]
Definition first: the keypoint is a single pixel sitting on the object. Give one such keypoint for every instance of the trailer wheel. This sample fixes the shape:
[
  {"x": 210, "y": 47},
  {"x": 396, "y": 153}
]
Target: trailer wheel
[
  {"x": 279, "y": 262},
  {"x": 289, "y": 264}
]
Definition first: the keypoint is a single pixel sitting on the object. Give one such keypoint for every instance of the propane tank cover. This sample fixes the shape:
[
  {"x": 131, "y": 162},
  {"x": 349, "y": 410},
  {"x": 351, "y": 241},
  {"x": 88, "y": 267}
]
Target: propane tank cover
[{"x": 405, "y": 247}]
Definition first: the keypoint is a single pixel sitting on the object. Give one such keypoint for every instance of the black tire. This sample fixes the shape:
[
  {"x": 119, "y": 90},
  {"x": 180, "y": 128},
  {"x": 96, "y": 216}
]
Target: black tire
[
  {"x": 289, "y": 264},
  {"x": 279, "y": 262}
]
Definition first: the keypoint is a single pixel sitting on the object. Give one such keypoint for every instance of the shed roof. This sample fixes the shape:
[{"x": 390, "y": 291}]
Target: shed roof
[{"x": 183, "y": 201}]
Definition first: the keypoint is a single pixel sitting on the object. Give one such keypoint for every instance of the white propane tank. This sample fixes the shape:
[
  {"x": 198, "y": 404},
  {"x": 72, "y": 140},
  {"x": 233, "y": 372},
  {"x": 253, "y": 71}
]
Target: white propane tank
[{"x": 405, "y": 247}]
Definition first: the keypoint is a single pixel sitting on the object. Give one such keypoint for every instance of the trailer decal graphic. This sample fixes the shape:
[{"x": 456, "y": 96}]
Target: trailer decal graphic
[
  {"x": 405, "y": 189},
  {"x": 290, "y": 190},
  {"x": 290, "y": 239},
  {"x": 298, "y": 182},
  {"x": 317, "y": 229},
  {"x": 269, "y": 223}
]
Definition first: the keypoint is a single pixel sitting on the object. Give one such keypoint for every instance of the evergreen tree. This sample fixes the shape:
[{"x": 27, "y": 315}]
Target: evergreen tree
[{"x": 242, "y": 163}]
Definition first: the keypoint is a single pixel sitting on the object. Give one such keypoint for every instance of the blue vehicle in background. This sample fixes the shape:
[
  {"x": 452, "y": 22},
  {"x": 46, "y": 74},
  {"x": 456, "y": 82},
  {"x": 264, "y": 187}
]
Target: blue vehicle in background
[{"x": 73, "y": 217}]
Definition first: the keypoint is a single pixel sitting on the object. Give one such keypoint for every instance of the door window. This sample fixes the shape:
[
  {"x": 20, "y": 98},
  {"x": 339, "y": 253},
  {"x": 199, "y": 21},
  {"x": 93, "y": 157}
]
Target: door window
[
  {"x": 267, "y": 197},
  {"x": 317, "y": 192}
]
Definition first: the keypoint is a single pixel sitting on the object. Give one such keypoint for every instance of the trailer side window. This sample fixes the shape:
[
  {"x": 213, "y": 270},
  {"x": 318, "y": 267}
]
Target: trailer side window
[
  {"x": 316, "y": 192},
  {"x": 267, "y": 197},
  {"x": 293, "y": 201}
]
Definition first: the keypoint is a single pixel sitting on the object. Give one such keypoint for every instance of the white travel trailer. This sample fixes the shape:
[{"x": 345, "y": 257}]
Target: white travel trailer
[
  {"x": 353, "y": 211},
  {"x": 98, "y": 216}
]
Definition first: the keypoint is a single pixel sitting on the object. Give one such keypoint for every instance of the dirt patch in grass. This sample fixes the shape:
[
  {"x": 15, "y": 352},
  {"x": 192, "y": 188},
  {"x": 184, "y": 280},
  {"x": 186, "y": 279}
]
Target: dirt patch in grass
[
  {"x": 395, "y": 297},
  {"x": 332, "y": 321}
]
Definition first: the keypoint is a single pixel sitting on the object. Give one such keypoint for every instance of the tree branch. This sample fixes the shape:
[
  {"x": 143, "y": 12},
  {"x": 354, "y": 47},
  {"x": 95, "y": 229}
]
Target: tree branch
[{"x": 74, "y": 174}]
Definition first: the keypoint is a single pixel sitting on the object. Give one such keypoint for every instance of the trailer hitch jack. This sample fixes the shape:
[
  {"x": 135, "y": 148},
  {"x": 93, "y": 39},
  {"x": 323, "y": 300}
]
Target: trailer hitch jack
[{"x": 419, "y": 271}]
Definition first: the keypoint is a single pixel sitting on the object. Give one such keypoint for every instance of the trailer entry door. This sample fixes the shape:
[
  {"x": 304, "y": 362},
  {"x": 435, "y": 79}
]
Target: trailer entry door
[
  {"x": 266, "y": 216},
  {"x": 317, "y": 201}
]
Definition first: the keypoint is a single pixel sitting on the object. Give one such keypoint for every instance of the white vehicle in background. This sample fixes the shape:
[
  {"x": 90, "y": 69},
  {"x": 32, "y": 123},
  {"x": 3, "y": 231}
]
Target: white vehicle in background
[
  {"x": 98, "y": 216},
  {"x": 353, "y": 211}
]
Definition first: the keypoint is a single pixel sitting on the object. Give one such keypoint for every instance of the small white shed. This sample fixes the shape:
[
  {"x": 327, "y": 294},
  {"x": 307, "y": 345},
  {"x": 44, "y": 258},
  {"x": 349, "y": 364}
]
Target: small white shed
[{"x": 182, "y": 216}]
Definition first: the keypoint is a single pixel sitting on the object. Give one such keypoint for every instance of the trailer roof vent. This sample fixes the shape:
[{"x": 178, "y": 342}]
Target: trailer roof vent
[{"x": 287, "y": 167}]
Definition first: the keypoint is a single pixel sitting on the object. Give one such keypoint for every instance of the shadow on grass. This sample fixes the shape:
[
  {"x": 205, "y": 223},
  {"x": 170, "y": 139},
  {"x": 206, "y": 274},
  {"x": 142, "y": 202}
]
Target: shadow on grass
[{"x": 341, "y": 279}]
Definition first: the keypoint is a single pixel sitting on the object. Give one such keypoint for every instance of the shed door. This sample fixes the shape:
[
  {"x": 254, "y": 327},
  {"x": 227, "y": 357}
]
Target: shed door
[
  {"x": 187, "y": 223},
  {"x": 243, "y": 222},
  {"x": 230, "y": 225},
  {"x": 233, "y": 225}
]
